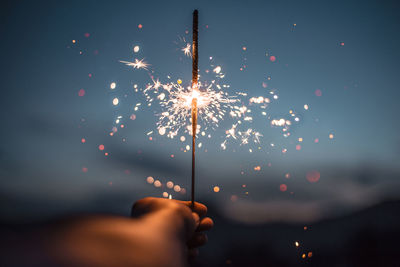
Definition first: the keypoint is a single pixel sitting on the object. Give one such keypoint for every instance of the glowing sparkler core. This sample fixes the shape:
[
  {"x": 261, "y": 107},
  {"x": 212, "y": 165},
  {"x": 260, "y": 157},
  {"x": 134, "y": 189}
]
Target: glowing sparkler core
[{"x": 193, "y": 96}]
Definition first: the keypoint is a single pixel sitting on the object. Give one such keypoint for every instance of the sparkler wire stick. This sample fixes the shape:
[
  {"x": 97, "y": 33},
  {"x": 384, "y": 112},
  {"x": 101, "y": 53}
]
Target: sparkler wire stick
[{"x": 195, "y": 62}]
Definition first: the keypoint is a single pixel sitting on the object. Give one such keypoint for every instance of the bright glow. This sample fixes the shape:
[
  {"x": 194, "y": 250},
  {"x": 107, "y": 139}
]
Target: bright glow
[
  {"x": 113, "y": 85},
  {"x": 136, "y": 49}
]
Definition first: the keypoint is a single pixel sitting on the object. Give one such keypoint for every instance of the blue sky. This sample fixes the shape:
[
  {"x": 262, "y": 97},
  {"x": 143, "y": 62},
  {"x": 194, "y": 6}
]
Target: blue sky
[{"x": 44, "y": 119}]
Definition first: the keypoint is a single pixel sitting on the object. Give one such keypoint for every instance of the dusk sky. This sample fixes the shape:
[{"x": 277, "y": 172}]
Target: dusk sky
[{"x": 339, "y": 58}]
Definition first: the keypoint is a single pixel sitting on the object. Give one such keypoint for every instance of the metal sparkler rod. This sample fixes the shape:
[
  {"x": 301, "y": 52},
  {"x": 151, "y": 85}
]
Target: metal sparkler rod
[
  {"x": 195, "y": 63},
  {"x": 195, "y": 51}
]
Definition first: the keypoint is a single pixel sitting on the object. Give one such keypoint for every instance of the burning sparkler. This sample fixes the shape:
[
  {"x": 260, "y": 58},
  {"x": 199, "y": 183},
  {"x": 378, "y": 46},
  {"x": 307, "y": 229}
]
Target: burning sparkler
[
  {"x": 195, "y": 95},
  {"x": 202, "y": 105}
]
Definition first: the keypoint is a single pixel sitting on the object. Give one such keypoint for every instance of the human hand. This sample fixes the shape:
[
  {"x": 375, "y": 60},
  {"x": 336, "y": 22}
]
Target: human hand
[
  {"x": 178, "y": 218},
  {"x": 164, "y": 233}
]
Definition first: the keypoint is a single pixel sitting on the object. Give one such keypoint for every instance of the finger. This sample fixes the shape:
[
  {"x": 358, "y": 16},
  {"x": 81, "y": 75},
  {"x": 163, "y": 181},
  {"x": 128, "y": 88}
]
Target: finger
[
  {"x": 199, "y": 208},
  {"x": 196, "y": 219},
  {"x": 177, "y": 215},
  {"x": 191, "y": 219},
  {"x": 205, "y": 224},
  {"x": 199, "y": 239}
]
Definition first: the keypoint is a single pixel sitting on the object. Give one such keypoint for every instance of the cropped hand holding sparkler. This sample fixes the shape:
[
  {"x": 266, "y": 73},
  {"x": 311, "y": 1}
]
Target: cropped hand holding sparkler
[{"x": 162, "y": 233}]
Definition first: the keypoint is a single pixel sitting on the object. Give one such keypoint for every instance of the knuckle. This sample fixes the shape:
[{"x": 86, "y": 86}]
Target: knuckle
[
  {"x": 205, "y": 208},
  {"x": 182, "y": 209}
]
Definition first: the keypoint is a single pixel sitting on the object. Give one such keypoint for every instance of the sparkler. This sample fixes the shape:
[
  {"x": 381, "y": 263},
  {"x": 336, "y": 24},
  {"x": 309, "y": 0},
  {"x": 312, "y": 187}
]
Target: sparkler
[
  {"x": 203, "y": 105},
  {"x": 195, "y": 63}
]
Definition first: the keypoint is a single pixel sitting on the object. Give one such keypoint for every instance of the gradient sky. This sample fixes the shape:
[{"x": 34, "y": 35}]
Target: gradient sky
[{"x": 346, "y": 49}]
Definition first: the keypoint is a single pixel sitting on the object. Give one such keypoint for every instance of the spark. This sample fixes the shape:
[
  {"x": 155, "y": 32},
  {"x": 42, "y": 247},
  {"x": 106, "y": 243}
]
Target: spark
[
  {"x": 259, "y": 100},
  {"x": 223, "y": 145},
  {"x": 248, "y": 135},
  {"x": 187, "y": 50},
  {"x": 138, "y": 64},
  {"x": 217, "y": 69},
  {"x": 280, "y": 122}
]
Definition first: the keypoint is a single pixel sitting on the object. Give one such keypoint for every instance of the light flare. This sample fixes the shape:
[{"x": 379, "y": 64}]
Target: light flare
[{"x": 138, "y": 64}]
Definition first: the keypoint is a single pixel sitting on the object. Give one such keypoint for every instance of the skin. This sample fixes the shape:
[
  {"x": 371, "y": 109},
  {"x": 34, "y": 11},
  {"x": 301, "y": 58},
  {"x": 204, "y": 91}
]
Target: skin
[{"x": 161, "y": 232}]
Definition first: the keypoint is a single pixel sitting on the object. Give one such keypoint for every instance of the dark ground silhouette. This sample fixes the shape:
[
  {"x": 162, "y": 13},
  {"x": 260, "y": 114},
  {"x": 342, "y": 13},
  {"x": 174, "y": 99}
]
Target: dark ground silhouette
[{"x": 366, "y": 238}]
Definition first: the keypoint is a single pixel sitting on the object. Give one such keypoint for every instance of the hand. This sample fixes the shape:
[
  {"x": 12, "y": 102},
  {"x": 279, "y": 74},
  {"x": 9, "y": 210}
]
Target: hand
[
  {"x": 178, "y": 218},
  {"x": 163, "y": 233}
]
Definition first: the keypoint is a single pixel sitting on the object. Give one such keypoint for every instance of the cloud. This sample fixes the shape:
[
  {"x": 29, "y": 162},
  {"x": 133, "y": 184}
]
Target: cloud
[{"x": 338, "y": 193}]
